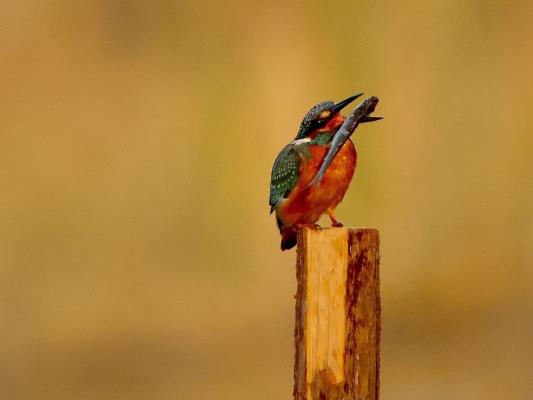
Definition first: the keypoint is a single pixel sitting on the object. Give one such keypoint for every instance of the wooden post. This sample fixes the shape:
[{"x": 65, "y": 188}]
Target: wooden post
[{"x": 338, "y": 313}]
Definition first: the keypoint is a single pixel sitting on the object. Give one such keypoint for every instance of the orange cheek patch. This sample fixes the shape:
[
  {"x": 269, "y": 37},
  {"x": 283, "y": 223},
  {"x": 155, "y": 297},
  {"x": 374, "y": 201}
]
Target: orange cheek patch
[{"x": 334, "y": 122}]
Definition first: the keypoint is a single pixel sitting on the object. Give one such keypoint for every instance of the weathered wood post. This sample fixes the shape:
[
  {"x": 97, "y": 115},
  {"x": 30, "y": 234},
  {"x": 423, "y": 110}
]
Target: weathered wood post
[{"x": 338, "y": 313}]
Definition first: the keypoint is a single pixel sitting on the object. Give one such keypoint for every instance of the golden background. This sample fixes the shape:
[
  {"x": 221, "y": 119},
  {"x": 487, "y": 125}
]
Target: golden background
[{"x": 137, "y": 256}]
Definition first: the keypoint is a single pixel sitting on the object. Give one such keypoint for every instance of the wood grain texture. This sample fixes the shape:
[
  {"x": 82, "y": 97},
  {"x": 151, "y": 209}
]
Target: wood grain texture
[{"x": 338, "y": 313}]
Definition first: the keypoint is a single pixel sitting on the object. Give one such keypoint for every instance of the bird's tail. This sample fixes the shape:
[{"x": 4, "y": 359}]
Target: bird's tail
[
  {"x": 289, "y": 236},
  {"x": 289, "y": 239}
]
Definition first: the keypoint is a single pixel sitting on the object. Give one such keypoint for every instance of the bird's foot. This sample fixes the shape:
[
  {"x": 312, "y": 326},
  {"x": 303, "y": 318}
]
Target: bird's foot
[{"x": 334, "y": 222}]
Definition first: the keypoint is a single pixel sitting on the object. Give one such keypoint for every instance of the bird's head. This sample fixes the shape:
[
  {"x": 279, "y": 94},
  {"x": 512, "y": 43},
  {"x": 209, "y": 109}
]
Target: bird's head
[{"x": 324, "y": 116}]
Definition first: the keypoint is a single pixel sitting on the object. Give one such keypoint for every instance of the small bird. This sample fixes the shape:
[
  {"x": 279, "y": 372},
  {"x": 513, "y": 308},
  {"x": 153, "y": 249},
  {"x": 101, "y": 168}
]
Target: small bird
[{"x": 312, "y": 173}]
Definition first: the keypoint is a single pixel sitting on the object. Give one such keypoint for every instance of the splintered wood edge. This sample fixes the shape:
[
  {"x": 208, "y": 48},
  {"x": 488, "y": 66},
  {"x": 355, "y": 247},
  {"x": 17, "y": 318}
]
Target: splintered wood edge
[{"x": 338, "y": 284}]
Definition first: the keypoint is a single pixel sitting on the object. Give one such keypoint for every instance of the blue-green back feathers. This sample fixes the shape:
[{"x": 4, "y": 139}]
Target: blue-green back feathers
[{"x": 284, "y": 175}]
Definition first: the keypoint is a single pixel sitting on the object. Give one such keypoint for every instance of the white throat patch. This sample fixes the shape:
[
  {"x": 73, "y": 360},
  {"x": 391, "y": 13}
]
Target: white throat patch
[{"x": 298, "y": 142}]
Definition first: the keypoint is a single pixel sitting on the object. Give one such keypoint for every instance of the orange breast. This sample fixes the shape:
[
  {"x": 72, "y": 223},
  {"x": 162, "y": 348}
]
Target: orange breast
[{"x": 305, "y": 204}]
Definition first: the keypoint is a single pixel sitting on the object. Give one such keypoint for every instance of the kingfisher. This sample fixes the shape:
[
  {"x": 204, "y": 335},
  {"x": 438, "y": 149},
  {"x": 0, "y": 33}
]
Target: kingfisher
[{"x": 312, "y": 173}]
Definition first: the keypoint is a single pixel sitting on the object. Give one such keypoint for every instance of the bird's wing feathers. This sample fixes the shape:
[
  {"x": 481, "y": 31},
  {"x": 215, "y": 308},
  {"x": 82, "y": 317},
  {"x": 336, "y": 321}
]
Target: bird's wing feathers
[{"x": 284, "y": 175}]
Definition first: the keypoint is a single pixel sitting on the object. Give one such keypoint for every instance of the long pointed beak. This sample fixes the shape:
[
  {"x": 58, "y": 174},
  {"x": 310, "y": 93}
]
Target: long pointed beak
[{"x": 339, "y": 106}]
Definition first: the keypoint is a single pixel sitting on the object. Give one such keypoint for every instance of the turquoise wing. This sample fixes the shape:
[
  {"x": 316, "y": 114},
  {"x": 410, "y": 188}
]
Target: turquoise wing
[{"x": 284, "y": 175}]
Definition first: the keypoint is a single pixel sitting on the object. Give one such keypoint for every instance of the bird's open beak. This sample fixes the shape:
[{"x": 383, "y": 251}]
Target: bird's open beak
[{"x": 339, "y": 106}]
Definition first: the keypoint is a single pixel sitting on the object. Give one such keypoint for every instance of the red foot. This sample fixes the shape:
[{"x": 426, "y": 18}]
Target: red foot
[{"x": 337, "y": 224}]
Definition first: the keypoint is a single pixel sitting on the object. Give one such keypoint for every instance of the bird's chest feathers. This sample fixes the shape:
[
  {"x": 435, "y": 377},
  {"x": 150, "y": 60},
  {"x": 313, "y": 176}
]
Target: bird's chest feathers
[
  {"x": 340, "y": 170},
  {"x": 307, "y": 203}
]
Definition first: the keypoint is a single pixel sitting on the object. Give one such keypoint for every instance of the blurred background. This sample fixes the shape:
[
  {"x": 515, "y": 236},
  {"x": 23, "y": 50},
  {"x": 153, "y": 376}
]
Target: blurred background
[{"x": 138, "y": 259}]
